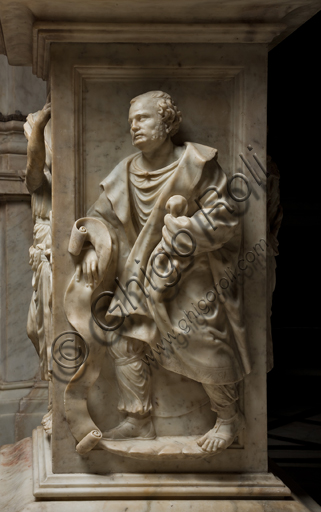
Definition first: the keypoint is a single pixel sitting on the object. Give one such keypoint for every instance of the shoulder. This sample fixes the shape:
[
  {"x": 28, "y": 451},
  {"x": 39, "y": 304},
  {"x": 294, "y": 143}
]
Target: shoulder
[
  {"x": 206, "y": 157},
  {"x": 118, "y": 171},
  {"x": 205, "y": 152}
]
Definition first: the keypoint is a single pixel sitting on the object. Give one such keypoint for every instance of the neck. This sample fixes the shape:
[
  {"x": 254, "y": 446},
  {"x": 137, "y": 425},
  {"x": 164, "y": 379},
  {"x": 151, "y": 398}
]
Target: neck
[{"x": 159, "y": 157}]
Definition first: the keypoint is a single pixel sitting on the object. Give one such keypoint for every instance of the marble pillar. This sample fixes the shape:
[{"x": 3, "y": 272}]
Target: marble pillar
[{"x": 103, "y": 445}]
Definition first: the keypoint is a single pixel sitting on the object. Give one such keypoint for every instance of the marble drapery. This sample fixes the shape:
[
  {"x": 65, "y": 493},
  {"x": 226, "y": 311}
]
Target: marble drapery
[{"x": 221, "y": 356}]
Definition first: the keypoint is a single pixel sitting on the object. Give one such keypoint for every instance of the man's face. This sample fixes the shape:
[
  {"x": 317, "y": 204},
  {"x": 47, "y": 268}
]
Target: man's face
[{"x": 146, "y": 126}]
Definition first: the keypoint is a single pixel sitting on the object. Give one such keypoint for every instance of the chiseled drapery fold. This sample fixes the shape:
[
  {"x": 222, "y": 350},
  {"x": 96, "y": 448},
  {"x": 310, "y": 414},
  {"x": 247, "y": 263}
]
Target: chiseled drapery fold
[
  {"x": 221, "y": 356},
  {"x": 146, "y": 187},
  {"x": 78, "y": 299}
]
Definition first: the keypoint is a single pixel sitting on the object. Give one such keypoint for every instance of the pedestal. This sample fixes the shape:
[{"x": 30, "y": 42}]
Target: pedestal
[
  {"x": 216, "y": 73},
  {"x": 38, "y": 489}
]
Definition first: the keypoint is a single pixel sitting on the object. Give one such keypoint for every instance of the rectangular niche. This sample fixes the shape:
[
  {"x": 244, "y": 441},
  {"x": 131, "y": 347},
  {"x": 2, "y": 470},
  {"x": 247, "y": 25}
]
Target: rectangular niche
[{"x": 220, "y": 90}]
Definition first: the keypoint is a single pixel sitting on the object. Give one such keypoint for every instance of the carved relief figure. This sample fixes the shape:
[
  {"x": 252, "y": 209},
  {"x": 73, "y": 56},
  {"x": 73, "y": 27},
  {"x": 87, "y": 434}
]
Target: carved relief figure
[
  {"x": 165, "y": 258},
  {"x": 38, "y": 181}
]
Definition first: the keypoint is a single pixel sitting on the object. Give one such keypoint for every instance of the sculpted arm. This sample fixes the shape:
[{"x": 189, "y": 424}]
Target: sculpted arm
[
  {"x": 36, "y": 152},
  {"x": 214, "y": 222},
  {"x": 88, "y": 266}
]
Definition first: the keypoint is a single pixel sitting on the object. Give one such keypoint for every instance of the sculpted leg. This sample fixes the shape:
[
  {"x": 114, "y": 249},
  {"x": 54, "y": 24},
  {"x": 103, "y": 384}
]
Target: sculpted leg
[
  {"x": 230, "y": 421},
  {"x": 135, "y": 391}
]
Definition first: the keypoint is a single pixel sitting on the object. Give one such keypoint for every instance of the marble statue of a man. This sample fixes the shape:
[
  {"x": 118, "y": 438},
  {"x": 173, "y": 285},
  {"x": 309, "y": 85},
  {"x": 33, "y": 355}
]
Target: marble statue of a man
[
  {"x": 38, "y": 181},
  {"x": 166, "y": 259}
]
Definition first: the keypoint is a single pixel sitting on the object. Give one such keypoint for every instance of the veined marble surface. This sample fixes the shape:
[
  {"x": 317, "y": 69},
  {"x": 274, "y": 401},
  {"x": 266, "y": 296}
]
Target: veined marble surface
[
  {"x": 248, "y": 17},
  {"x": 20, "y": 89},
  {"x": 222, "y": 107},
  {"x": 16, "y": 494},
  {"x": 21, "y": 406}
]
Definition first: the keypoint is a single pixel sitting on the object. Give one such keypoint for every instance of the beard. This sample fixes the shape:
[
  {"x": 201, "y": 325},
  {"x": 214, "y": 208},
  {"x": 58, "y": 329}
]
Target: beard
[{"x": 159, "y": 132}]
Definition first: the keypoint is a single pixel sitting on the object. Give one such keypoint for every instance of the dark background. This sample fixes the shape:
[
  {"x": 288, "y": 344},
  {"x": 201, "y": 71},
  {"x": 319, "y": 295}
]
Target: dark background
[{"x": 294, "y": 385}]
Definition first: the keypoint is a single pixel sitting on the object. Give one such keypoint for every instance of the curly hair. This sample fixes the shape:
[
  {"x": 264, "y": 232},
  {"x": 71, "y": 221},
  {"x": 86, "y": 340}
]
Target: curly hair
[{"x": 170, "y": 115}]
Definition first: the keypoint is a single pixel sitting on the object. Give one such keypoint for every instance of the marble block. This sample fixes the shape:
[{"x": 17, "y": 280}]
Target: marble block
[
  {"x": 158, "y": 133},
  {"x": 221, "y": 92},
  {"x": 247, "y": 20},
  {"x": 17, "y": 492},
  {"x": 49, "y": 485}
]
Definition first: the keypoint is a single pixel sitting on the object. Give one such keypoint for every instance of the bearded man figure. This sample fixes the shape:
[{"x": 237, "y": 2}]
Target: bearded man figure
[{"x": 168, "y": 255}]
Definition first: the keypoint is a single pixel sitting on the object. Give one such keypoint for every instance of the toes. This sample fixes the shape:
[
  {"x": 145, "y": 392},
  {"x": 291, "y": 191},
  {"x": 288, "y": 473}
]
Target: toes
[
  {"x": 202, "y": 440},
  {"x": 206, "y": 444},
  {"x": 210, "y": 446},
  {"x": 221, "y": 444},
  {"x": 215, "y": 445}
]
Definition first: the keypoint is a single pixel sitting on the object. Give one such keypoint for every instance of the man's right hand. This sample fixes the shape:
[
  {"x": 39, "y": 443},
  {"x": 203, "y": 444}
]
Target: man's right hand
[
  {"x": 36, "y": 151},
  {"x": 43, "y": 117},
  {"x": 89, "y": 268}
]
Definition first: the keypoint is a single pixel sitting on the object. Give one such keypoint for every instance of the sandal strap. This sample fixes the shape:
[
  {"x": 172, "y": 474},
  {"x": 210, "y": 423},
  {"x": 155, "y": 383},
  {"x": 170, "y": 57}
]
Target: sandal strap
[
  {"x": 221, "y": 421},
  {"x": 224, "y": 437}
]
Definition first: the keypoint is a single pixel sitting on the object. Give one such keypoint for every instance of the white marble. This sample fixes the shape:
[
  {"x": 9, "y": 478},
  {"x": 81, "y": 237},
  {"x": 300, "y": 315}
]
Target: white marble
[
  {"x": 144, "y": 187},
  {"x": 16, "y": 475},
  {"x": 9, "y": 407},
  {"x": 21, "y": 90},
  {"x": 170, "y": 447},
  {"x": 80, "y": 164},
  {"x": 31, "y": 410},
  {"x": 50, "y": 485},
  {"x": 247, "y": 21},
  {"x": 167, "y": 506},
  {"x": 18, "y": 360},
  {"x": 114, "y": 433},
  {"x": 13, "y": 150},
  {"x": 20, "y": 93},
  {"x": 38, "y": 181},
  {"x": 16, "y": 492}
]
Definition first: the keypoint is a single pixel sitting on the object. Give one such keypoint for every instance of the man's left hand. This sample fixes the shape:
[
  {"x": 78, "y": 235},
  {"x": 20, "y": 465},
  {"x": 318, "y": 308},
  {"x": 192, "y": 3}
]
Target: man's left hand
[{"x": 174, "y": 237}]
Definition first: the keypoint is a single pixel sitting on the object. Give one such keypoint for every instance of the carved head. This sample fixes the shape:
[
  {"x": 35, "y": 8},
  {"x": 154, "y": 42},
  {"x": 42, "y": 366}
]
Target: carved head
[{"x": 153, "y": 117}]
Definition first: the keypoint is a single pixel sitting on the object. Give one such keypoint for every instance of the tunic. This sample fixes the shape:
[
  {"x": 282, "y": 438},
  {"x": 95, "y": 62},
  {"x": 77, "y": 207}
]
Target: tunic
[{"x": 200, "y": 337}]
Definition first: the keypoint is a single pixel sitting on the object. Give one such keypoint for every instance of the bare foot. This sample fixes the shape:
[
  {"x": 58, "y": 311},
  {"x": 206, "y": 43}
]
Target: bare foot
[
  {"x": 46, "y": 422},
  {"x": 132, "y": 428},
  {"x": 223, "y": 434}
]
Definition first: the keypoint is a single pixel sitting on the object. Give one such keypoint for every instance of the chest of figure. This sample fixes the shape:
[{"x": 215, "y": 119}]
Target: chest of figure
[{"x": 145, "y": 188}]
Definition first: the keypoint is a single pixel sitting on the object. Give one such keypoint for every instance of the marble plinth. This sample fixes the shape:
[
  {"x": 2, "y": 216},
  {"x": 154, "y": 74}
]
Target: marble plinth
[
  {"x": 167, "y": 506},
  {"x": 50, "y": 485},
  {"x": 16, "y": 493}
]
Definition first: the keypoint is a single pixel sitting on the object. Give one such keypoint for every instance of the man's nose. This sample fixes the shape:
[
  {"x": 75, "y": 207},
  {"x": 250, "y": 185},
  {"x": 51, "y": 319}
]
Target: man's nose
[{"x": 134, "y": 126}]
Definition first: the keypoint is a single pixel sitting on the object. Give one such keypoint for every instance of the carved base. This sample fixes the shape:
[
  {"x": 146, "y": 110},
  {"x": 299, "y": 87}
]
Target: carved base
[
  {"x": 92, "y": 493},
  {"x": 48, "y": 485}
]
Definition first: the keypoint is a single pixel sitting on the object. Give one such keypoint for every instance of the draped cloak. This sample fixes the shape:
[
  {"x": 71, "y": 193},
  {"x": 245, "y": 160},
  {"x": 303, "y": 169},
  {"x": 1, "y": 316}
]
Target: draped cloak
[
  {"x": 39, "y": 323},
  {"x": 194, "y": 327}
]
